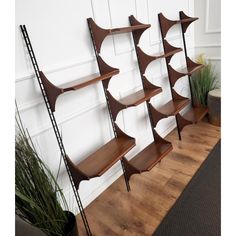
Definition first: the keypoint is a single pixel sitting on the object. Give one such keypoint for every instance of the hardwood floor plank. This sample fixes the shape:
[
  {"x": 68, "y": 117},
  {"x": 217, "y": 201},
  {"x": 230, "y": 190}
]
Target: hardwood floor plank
[{"x": 138, "y": 213}]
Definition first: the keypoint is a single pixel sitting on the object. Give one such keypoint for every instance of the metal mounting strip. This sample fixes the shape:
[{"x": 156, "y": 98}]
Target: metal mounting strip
[
  {"x": 168, "y": 70},
  {"x": 55, "y": 126},
  {"x": 186, "y": 59}
]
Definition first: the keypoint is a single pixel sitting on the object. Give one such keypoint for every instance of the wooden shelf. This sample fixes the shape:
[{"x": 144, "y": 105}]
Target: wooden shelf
[
  {"x": 139, "y": 97},
  {"x": 195, "y": 114},
  {"x": 173, "y": 107},
  {"x": 128, "y": 29},
  {"x": 100, "y": 161},
  {"x": 150, "y": 156},
  {"x": 88, "y": 80},
  {"x": 54, "y": 91}
]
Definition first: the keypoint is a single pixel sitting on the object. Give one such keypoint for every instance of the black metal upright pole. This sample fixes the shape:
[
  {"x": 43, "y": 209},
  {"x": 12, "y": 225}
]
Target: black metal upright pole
[{"x": 55, "y": 126}]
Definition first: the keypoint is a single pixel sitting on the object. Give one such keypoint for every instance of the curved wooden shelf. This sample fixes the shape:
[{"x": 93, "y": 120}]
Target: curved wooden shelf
[
  {"x": 104, "y": 158},
  {"x": 145, "y": 59},
  {"x": 138, "y": 33},
  {"x": 166, "y": 23},
  {"x": 54, "y": 91},
  {"x": 134, "y": 99},
  {"x": 99, "y": 162},
  {"x": 186, "y": 20},
  {"x": 139, "y": 97},
  {"x": 194, "y": 115},
  {"x": 147, "y": 158},
  {"x": 99, "y": 34},
  {"x": 173, "y": 107}
]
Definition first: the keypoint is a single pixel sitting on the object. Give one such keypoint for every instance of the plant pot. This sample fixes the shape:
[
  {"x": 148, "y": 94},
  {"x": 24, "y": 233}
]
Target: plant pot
[{"x": 71, "y": 228}]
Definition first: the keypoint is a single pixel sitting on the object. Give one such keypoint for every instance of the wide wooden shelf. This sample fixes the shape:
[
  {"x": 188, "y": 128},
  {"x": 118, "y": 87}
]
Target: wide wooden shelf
[
  {"x": 100, "y": 161},
  {"x": 187, "y": 20},
  {"x": 140, "y": 96},
  {"x": 190, "y": 70},
  {"x": 87, "y": 80},
  {"x": 150, "y": 156},
  {"x": 163, "y": 55},
  {"x": 128, "y": 29},
  {"x": 173, "y": 107},
  {"x": 195, "y": 114}
]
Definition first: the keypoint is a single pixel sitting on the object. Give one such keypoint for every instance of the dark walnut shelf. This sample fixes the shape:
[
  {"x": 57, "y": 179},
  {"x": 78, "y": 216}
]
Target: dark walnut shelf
[
  {"x": 128, "y": 29},
  {"x": 88, "y": 80},
  {"x": 166, "y": 23},
  {"x": 54, "y": 91},
  {"x": 99, "y": 34},
  {"x": 173, "y": 107},
  {"x": 191, "y": 68},
  {"x": 195, "y": 114},
  {"x": 150, "y": 156},
  {"x": 100, "y": 161},
  {"x": 139, "y": 97}
]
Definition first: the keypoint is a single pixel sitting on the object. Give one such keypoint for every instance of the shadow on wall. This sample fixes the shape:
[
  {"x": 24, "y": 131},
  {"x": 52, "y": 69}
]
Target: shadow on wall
[{"x": 24, "y": 229}]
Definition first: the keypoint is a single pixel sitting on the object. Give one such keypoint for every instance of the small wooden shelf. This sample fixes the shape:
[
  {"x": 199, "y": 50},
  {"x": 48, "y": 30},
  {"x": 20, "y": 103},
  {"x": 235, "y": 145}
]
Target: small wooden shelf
[
  {"x": 54, "y": 91},
  {"x": 173, "y": 107},
  {"x": 99, "y": 34},
  {"x": 150, "y": 156},
  {"x": 195, "y": 114},
  {"x": 166, "y": 23},
  {"x": 88, "y": 80},
  {"x": 139, "y": 97},
  {"x": 100, "y": 161},
  {"x": 128, "y": 29}
]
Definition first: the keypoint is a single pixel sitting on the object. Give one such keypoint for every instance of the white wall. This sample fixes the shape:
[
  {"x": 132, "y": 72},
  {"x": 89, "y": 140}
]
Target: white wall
[
  {"x": 61, "y": 40},
  {"x": 208, "y": 30}
]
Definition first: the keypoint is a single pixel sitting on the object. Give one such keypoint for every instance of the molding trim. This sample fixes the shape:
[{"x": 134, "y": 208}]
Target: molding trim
[
  {"x": 54, "y": 69},
  {"x": 217, "y": 45},
  {"x": 48, "y": 126},
  {"x": 207, "y": 30},
  {"x": 213, "y": 58}
]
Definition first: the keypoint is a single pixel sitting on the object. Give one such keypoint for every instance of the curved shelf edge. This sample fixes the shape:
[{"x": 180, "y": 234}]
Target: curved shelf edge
[
  {"x": 177, "y": 96},
  {"x": 145, "y": 59},
  {"x": 53, "y": 91},
  {"x": 99, "y": 34},
  {"x": 175, "y": 75},
  {"x": 194, "y": 115},
  {"x": 156, "y": 115},
  {"x": 192, "y": 66},
  {"x": 170, "y": 50},
  {"x": 165, "y": 24},
  {"x": 147, "y": 158},
  {"x": 186, "y": 20},
  {"x": 138, "y": 33},
  {"x": 134, "y": 99},
  {"x": 171, "y": 108},
  {"x": 76, "y": 173},
  {"x": 96, "y": 164}
]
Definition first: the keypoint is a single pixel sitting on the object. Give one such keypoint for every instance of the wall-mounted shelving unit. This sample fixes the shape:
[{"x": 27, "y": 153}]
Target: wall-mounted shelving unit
[
  {"x": 96, "y": 164},
  {"x": 179, "y": 102},
  {"x": 154, "y": 152}
]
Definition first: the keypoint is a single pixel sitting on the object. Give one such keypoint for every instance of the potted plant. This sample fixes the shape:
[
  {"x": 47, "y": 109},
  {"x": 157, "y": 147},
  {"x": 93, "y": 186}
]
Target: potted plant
[
  {"x": 203, "y": 81},
  {"x": 38, "y": 197}
]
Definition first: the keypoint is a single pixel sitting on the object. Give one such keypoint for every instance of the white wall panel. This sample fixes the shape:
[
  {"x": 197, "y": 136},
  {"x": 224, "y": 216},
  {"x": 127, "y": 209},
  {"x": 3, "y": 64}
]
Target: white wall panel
[
  {"x": 59, "y": 33},
  {"x": 208, "y": 31}
]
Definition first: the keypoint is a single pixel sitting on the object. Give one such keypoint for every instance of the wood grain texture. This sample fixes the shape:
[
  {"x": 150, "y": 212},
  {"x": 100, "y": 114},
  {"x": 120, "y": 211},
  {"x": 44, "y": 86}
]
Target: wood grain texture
[{"x": 117, "y": 212}]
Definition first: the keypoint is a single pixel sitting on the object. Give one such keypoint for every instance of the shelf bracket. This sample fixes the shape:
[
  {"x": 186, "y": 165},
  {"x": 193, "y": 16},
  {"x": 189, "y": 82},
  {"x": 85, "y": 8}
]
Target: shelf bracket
[{"x": 137, "y": 33}]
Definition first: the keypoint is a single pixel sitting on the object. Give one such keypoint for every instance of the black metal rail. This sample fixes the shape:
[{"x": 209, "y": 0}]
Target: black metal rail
[{"x": 54, "y": 125}]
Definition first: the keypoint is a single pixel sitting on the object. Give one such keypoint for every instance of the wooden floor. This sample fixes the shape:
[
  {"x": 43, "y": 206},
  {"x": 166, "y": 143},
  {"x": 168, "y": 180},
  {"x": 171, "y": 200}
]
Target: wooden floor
[{"x": 139, "y": 212}]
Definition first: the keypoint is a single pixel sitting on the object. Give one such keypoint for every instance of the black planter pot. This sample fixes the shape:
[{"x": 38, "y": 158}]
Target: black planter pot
[{"x": 71, "y": 227}]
